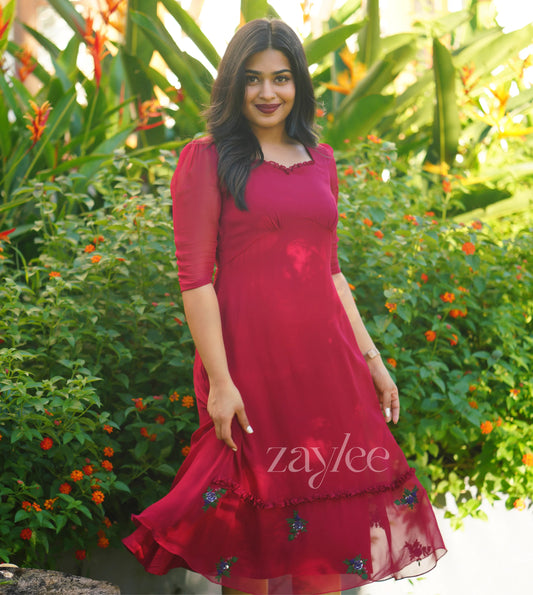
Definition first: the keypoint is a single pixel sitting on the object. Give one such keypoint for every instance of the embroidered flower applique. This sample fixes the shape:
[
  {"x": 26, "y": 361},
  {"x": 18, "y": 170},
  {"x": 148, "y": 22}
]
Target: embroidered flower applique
[
  {"x": 297, "y": 525},
  {"x": 211, "y": 497},
  {"x": 417, "y": 551},
  {"x": 224, "y": 567},
  {"x": 357, "y": 566},
  {"x": 409, "y": 497}
]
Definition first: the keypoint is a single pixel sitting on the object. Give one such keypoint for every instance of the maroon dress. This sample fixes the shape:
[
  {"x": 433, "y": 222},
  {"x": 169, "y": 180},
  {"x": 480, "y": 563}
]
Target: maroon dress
[{"x": 320, "y": 497}]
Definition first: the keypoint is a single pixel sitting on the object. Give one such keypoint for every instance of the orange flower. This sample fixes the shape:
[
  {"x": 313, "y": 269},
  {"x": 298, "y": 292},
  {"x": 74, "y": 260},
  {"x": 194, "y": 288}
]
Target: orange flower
[
  {"x": 139, "y": 405},
  {"x": 160, "y": 420},
  {"x": 519, "y": 504},
  {"x": 447, "y": 297},
  {"x": 153, "y": 437},
  {"x": 174, "y": 397},
  {"x": 424, "y": 277},
  {"x": 107, "y": 522},
  {"x": 374, "y": 139},
  {"x": 76, "y": 475},
  {"x": 527, "y": 459},
  {"x": 80, "y": 554},
  {"x": 477, "y": 224},
  {"x": 65, "y": 488},
  {"x": 49, "y": 503},
  {"x": 107, "y": 465},
  {"x": 26, "y": 534},
  {"x": 391, "y": 307},
  {"x": 89, "y": 248},
  {"x": 320, "y": 113},
  {"x": 187, "y": 401},
  {"x": 98, "y": 497},
  {"x": 486, "y": 427},
  {"x": 96, "y": 258},
  {"x": 54, "y": 274},
  {"x": 499, "y": 422},
  {"x": 468, "y": 248},
  {"x": 36, "y": 507},
  {"x": 392, "y": 362},
  {"x": 103, "y": 542},
  {"x": 149, "y": 109},
  {"x": 108, "y": 429},
  {"x": 514, "y": 392},
  {"x": 446, "y": 186},
  {"x": 454, "y": 340},
  {"x": 379, "y": 234},
  {"x": 367, "y": 221},
  {"x": 343, "y": 215},
  {"x": 38, "y": 121},
  {"x": 411, "y": 218},
  {"x": 26, "y": 505},
  {"x": 430, "y": 335},
  {"x": 88, "y": 469},
  {"x": 185, "y": 450},
  {"x": 29, "y": 64},
  {"x": 4, "y": 234},
  {"x": 108, "y": 451},
  {"x": 349, "y": 171},
  {"x": 473, "y": 404},
  {"x": 95, "y": 41},
  {"x": 47, "y": 443}
]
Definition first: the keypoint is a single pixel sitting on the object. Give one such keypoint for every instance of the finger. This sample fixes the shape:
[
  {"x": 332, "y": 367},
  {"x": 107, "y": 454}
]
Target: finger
[
  {"x": 243, "y": 420},
  {"x": 395, "y": 405},
  {"x": 223, "y": 432},
  {"x": 386, "y": 406}
]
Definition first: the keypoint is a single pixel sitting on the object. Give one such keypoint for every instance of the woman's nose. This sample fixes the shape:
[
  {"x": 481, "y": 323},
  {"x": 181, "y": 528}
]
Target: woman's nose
[{"x": 267, "y": 90}]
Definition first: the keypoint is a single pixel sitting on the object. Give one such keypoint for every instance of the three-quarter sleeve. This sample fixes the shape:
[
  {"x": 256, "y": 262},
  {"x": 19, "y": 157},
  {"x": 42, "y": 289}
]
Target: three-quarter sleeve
[
  {"x": 196, "y": 204},
  {"x": 334, "y": 184}
]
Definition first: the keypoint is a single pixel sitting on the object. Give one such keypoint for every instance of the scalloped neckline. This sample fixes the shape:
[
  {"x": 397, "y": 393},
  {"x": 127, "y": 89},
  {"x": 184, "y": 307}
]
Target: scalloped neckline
[{"x": 288, "y": 168}]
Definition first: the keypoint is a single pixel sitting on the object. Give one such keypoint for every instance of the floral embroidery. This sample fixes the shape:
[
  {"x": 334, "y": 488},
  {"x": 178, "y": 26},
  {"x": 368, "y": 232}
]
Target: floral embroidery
[
  {"x": 224, "y": 567},
  {"x": 417, "y": 551},
  {"x": 212, "y": 496},
  {"x": 297, "y": 525},
  {"x": 409, "y": 498},
  {"x": 357, "y": 566}
]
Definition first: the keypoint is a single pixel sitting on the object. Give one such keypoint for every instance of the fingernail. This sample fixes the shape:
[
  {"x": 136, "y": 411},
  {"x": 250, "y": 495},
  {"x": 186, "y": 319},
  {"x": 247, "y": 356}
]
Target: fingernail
[
  {"x": 249, "y": 430},
  {"x": 234, "y": 449},
  {"x": 387, "y": 412}
]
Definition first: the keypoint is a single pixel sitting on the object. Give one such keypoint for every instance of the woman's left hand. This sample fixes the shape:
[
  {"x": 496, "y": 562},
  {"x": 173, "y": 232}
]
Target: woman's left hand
[{"x": 386, "y": 390}]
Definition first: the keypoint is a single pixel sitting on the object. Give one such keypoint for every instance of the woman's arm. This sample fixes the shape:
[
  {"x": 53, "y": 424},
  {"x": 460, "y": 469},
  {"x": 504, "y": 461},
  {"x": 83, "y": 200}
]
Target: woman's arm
[
  {"x": 385, "y": 387},
  {"x": 224, "y": 401}
]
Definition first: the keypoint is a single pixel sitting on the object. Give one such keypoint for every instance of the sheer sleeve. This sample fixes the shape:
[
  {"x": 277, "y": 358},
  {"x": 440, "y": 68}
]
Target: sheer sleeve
[
  {"x": 334, "y": 184},
  {"x": 196, "y": 203}
]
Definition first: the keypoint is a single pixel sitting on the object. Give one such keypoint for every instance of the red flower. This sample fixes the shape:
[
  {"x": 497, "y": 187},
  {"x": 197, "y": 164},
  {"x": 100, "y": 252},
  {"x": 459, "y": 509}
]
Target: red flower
[
  {"x": 88, "y": 469},
  {"x": 447, "y": 297},
  {"x": 26, "y": 534},
  {"x": 47, "y": 443},
  {"x": 379, "y": 234},
  {"x": 144, "y": 432},
  {"x": 468, "y": 248},
  {"x": 107, "y": 522},
  {"x": 65, "y": 488},
  {"x": 473, "y": 404},
  {"x": 343, "y": 215},
  {"x": 430, "y": 335},
  {"x": 4, "y": 234},
  {"x": 95, "y": 42},
  {"x": 107, "y": 465},
  {"x": 108, "y": 451},
  {"x": 80, "y": 554},
  {"x": 454, "y": 340},
  {"x": 108, "y": 429},
  {"x": 392, "y": 362},
  {"x": 38, "y": 121},
  {"x": 446, "y": 186},
  {"x": 373, "y": 138},
  {"x": 76, "y": 475},
  {"x": 103, "y": 542},
  {"x": 139, "y": 405},
  {"x": 368, "y": 222},
  {"x": 424, "y": 277},
  {"x": 174, "y": 397},
  {"x": 477, "y": 224},
  {"x": 349, "y": 171},
  {"x": 185, "y": 450},
  {"x": 3, "y": 24},
  {"x": 160, "y": 419},
  {"x": 26, "y": 505},
  {"x": 98, "y": 497}
]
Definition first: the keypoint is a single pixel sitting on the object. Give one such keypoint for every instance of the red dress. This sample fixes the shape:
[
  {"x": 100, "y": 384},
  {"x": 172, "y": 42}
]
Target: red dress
[{"x": 320, "y": 497}]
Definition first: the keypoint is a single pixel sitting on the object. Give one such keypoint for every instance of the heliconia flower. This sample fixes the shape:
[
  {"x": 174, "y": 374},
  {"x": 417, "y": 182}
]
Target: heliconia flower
[
  {"x": 430, "y": 335},
  {"x": 3, "y": 24},
  {"x": 149, "y": 109},
  {"x": 4, "y": 234},
  {"x": 468, "y": 248},
  {"x": 486, "y": 427},
  {"x": 37, "y": 123},
  {"x": 28, "y": 62},
  {"x": 95, "y": 41}
]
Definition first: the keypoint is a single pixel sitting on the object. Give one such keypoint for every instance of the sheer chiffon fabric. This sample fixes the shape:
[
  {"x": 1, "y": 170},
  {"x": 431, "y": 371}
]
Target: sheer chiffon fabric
[{"x": 320, "y": 498}]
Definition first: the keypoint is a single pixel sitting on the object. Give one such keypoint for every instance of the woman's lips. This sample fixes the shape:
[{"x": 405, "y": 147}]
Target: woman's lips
[{"x": 267, "y": 108}]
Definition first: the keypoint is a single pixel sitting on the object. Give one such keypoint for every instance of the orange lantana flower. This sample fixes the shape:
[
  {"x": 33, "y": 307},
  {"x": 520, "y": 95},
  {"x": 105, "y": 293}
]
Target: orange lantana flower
[
  {"x": 468, "y": 248},
  {"x": 430, "y": 335},
  {"x": 98, "y": 496},
  {"x": 486, "y": 427},
  {"x": 447, "y": 297},
  {"x": 527, "y": 459},
  {"x": 187, "y": 401}
]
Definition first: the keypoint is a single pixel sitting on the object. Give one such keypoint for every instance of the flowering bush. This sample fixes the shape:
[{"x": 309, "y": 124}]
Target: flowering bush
[
  {"x": 96, "y": 409},
  {"x": 450, "y": 305}
]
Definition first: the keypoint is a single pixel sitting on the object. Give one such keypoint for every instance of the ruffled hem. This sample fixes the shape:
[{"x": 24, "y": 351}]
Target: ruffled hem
[{"x": 282, "y": 503}]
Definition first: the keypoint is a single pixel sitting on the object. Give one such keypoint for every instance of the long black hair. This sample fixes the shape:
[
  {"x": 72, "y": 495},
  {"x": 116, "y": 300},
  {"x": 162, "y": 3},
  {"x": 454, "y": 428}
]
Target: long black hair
[{"x": 236, "y": 144}]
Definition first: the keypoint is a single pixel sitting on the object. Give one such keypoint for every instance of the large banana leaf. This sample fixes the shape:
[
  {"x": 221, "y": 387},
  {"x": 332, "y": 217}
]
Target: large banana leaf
[
  {"x": 446, "y": 125},
  {"x": 191, "y": 29},
  {"x": 256, "y": 9},
  {"x": 177, "y": 61},
  {"x": 136, "y": 42},
  {"x": 317, "y": 49},
  {"x": 342, "y": 14}
]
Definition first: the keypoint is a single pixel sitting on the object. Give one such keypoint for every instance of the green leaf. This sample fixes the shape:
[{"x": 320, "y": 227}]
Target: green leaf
[
  {"x": 191, "y": 29},
  {"x": 120, "y": 485},
  {"x": 256, "y": 9},
  {"x": 446, "y": 124},
  {"x": 8, "y": 14},
  {"x": 370, "y": 37},
  {"x": 317, "y": 49}
]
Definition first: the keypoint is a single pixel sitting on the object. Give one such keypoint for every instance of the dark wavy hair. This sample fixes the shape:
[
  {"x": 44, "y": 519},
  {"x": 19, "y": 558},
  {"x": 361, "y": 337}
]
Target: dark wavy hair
[{"x": 236, "y": 144}]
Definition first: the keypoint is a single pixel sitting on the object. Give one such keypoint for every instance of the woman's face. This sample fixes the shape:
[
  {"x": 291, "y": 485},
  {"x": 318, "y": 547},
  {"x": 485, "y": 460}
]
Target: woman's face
[{"x": 269, "y": 92}]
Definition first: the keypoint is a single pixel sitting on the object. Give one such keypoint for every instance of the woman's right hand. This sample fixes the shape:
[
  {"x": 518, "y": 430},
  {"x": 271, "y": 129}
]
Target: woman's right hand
[{"x": 223, "y": 403}]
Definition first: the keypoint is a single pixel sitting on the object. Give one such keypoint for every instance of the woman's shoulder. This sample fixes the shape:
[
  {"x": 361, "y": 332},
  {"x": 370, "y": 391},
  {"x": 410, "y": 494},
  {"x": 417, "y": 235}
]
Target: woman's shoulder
[
  {"x": 199, "y": 150},
  {"x": 324, "y": 151}
]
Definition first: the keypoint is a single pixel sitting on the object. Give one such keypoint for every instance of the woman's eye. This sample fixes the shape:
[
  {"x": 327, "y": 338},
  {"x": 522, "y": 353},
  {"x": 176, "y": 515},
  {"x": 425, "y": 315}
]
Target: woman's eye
[
  {"x": 251, "y": 79},
  {"x": 282, "y": 78}
]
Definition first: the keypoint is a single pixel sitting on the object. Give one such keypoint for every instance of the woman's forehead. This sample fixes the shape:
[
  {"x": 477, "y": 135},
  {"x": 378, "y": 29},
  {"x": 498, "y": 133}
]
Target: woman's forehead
[{"x": 268, "y": 61}]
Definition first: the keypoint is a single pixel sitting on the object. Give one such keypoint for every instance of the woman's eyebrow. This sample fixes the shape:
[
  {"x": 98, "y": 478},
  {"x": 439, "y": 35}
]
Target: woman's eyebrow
[{"x": 250, "y": 71}]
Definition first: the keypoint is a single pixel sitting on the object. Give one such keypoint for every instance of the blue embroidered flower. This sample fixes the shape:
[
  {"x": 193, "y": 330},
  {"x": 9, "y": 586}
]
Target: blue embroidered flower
[
  {"x": 224, "y": 567},
  {"x": 357, "y": 566},
  {"x": 409, "y": 497},
  {"x": 297, "y": 525},
  {"x": 211, "y": 497}
]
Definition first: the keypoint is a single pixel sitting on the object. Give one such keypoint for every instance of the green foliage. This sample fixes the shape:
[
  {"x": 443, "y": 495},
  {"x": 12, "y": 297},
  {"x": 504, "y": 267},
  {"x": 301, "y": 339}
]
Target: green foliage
[
  {"x": 94, "y": 354},
  {"x": 454, "y": 322}
]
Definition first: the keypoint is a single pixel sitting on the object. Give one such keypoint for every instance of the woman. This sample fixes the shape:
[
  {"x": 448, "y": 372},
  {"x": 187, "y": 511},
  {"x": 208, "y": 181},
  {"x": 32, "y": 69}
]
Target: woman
[{"x": 317, "y": 497}]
